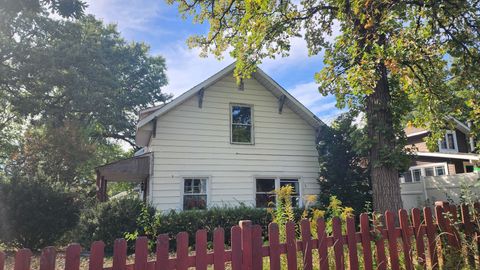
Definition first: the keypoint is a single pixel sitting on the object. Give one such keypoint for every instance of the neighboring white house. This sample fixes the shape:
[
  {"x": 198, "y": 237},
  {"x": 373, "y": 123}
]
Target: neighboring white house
[
  {"x": 441, "y": 174},
  {"x": 223, "y": 143}
]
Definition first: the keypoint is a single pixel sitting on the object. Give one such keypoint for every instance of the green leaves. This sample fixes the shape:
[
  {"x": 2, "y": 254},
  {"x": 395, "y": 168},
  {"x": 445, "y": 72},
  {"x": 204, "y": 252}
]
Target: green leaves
[{"x": 88, "y": 73}]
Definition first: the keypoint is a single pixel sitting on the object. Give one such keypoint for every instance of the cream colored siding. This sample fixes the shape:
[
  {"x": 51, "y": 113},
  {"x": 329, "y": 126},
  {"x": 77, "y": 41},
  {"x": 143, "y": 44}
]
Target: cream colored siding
[{"x": 195, "y": 142}]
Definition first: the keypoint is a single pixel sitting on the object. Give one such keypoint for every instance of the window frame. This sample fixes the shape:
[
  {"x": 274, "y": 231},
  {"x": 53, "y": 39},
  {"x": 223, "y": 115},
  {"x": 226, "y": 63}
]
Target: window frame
[
  {"x": 252, "y": 125},
  {"x": 278, "y": 179},
  {"x": 422, "y": 169},
  {"x": 183, "y": 194},
  {"x": 455, "y": 142}
]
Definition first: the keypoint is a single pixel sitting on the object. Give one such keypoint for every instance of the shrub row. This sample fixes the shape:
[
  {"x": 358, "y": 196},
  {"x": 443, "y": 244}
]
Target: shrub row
[
  {"x": 226, "y": 217},
  {"x": 121, "y": 217}
]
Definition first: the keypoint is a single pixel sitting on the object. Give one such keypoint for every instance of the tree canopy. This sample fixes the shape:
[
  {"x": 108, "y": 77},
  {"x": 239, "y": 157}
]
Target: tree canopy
[
  {"x": 392, "y": 60},
  {"x": 69, "y": 89}
]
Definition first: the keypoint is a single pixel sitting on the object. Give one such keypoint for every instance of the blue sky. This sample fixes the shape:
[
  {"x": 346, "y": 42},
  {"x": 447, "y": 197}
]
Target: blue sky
[{"x": 159, "y": 25}]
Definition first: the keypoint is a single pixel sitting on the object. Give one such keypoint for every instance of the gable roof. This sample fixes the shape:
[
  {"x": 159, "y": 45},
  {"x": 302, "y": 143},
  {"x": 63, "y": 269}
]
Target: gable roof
[
  {"x": 412, "y": 131},
  {"x": 144, "y": 133}
]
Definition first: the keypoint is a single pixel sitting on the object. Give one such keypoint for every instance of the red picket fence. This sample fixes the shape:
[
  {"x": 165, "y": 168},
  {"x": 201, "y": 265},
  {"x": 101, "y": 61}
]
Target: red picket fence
[{"x": 344, "y": 247}]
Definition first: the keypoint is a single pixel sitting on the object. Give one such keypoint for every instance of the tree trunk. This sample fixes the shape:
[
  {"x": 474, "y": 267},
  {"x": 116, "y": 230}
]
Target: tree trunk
[{"x": 385, "y": 180}]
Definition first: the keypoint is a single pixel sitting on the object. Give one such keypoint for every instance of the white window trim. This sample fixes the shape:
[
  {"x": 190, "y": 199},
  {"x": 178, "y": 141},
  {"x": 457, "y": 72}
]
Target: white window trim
[
  {"x": 252, "y": 128},
  {"x": 277, "y": 186},
  {"x": 443, "y": 150},
  {"x": 182, "y": 189},
  {"x": 422, "y": 171}
]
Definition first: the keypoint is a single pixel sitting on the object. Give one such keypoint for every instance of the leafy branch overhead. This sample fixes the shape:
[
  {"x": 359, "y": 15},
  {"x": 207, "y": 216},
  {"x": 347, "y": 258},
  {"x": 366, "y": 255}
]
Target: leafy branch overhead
[{"x": 396, "y": 61}]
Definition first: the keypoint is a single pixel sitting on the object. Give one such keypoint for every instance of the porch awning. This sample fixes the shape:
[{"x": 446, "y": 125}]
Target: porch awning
[{"x": 135, "y": 169}]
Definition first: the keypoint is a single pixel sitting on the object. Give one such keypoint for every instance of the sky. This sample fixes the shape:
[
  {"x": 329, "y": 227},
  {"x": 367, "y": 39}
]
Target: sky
[{"x": 160, "y": 26}]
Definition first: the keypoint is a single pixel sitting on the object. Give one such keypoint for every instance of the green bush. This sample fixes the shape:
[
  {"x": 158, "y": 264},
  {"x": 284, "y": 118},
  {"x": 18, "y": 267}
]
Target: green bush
[
  {"x": 110, "y": 220},
  {"x": 34, "y": 214},
  {"x": 226, "y": 217}
]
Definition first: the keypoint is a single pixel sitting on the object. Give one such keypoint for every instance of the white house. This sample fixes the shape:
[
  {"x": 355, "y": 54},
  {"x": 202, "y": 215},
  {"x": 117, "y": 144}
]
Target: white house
[{"x": 223, "y": 143}]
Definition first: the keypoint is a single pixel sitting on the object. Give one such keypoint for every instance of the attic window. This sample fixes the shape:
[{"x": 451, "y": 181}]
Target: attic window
[
  {"x": 241, "y": 124},
  {"x": 449, "y": 142}
]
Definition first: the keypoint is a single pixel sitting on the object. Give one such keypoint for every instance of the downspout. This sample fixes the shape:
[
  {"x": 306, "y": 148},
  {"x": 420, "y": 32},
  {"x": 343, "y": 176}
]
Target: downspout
[{"x": 425, "y": 188}]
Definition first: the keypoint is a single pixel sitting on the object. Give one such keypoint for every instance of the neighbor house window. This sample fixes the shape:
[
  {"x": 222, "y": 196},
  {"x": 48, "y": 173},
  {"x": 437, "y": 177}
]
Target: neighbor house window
[
  {"x": 241, "y": 124},
  {"x": 415, "y": 174},
  {"x": 265, "y": 191},
  {"x": 449, "y": 142},
  {"x": 194, "y": 193}
]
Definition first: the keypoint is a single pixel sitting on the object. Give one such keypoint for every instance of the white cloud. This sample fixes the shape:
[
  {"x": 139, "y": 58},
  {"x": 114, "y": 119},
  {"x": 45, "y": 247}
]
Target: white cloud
[
  {"x": 185, "y": 68},
  {"x": 129, "y": 15}
]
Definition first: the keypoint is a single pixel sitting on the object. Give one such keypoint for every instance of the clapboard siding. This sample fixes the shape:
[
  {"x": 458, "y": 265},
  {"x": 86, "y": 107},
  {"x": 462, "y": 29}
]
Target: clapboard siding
[{"x": 192, "y": 141}]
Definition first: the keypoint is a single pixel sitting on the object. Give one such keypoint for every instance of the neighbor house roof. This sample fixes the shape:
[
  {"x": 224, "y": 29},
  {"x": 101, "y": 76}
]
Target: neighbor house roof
[
  {"x": 413, "y": 131},
  {"x": 144, "y": 130}
]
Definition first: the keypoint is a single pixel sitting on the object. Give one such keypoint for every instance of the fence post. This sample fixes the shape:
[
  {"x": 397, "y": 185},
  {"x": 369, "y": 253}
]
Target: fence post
[
  {"x": 2, "y": 260},
  {"x": 246, "y": 226},
  {"x": 72, "y": 257},
  {"x": 22, "y": 259}
]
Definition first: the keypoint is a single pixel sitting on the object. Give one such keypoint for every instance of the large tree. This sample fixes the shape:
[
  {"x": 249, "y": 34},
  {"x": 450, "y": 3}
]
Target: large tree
[
  {"x": 390, "y": 57},
  {"x": 56, "y": 70},
  {"x": 68, "y": 86}
]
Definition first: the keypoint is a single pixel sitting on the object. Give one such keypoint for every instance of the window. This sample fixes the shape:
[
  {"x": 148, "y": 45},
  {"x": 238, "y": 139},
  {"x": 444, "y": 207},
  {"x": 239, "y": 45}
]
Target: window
[
  {"x": 265, "y": 191},
  {"x": 449, "y": 142},
  {"x": 265, "y": 194},
  {"x": 430, "y": 171},
  {"x": 415, "y": 174},
  {"x": 194, "y": 193},
  {"x": 242, "y": 124},
  {"x": 295, "y": 192}
]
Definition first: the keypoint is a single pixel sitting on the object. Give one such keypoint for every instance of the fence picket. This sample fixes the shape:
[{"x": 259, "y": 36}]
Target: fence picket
[
  {"x": 246, "y": 226},
  {"x": 322, "y": 244},
  {"x": 380, "y": 245},
  {"x": 2, "y": 260},
  {"x": 201, "y": 250},
  {"x": 274, "y": 243},
  {"x": 418, "y": 233},
  {"x": 22, "y": 259},
  {"x": 141, "y": 253},
  {"x": 162, "y": 252},
  {"x": 338, "y": 243},
  {"x": 431, "y": 237},
  {"x": 405, "y": 229},
  {"x": 352, "y": 243},
  {"x": 453, "y": 219},
  {"x": 257, "y": 244},
  {"x": 47, "y": 258},
  {"x": 119, "y": 254},
  {"x": 291, "y": 246},
  {"x": 366, "y": 242},
  {"x": 97, "y": 253},
  {"x": 72, "y": 257},
  {"x": 392, "y": 240},
  {"x": 307, "y": 245},
  {"x": 236, "y": 239},
  {"x": 218, "y": 249},
  {"x": 182, "y": 251}
]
